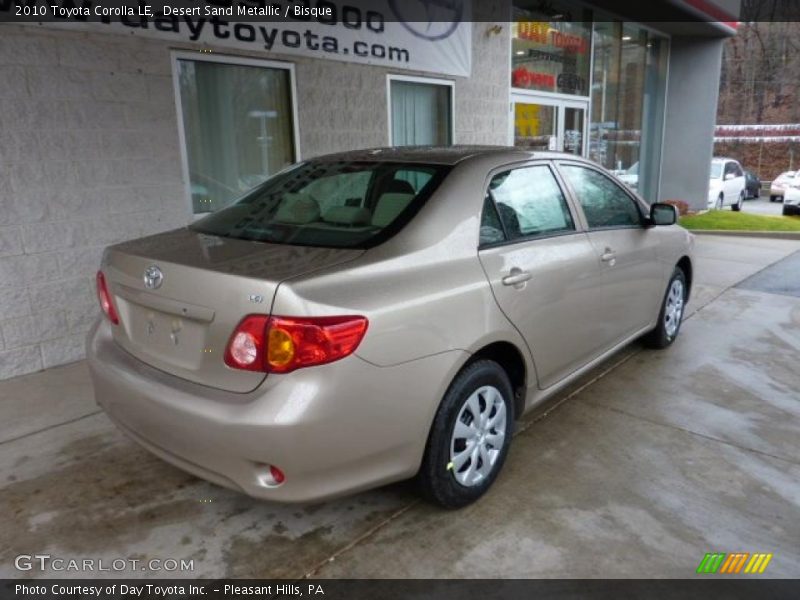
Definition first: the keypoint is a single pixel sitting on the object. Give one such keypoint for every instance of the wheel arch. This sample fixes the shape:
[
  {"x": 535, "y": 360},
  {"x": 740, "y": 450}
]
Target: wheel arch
[
  {"x": 685, "y": 264},
  {"x": 512, "y": 360}
]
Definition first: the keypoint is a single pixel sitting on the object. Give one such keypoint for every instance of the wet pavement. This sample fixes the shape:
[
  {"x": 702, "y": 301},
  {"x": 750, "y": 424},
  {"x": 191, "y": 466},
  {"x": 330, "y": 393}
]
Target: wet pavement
[
  {"x": 762, "y": 206},
  {"x": 638, "y": 470}
]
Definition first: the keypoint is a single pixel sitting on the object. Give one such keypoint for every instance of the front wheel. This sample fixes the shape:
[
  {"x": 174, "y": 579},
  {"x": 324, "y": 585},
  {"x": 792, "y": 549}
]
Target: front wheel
[
  {"x": 671, "y": 315},
  {"x": 773, "y": 198},
  {"x": 470, "y": 436},
  {"x": 720, "y": 202},
  {"x": 738, "y": 206}
]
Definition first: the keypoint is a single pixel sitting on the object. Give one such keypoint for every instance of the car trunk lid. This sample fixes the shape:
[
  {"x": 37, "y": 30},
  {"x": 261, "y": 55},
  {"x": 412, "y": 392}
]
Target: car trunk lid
[{"x": 182, "y": 323}]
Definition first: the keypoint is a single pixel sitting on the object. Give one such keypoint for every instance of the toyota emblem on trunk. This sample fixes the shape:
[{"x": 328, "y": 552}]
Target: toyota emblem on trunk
[{"x": 153, "y": 277}]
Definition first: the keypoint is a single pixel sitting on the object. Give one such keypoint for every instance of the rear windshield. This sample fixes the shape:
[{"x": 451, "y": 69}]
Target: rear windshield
[{"x": 331, "y": 204}]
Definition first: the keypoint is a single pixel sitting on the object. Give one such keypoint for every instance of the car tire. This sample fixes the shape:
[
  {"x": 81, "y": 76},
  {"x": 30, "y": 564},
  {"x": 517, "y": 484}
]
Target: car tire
[
  {"x": 450, "y": 475},
  {"x": 670, "y": 317},
  {"x": 773, "y": 198},
  {"x": 720, "y": 202},
  {"x": 738, "y": 206},
  {"x": 789, "y": 211}
]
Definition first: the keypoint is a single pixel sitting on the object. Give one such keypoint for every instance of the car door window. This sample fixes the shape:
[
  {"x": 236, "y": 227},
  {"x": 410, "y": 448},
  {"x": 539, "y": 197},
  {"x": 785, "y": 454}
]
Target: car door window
[
  {"x": 604, "y": 203},
  {"x": 491, "y": 228},
  {"x": 528, "y": 202},
  {"x": 729, "y": 169}
]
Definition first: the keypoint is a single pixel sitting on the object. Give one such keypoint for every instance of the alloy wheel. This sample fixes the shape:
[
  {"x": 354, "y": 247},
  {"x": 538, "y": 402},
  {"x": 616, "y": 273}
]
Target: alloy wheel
[
  {"x": 478, "y": 436},
  {"x": 673, "y": 312}
]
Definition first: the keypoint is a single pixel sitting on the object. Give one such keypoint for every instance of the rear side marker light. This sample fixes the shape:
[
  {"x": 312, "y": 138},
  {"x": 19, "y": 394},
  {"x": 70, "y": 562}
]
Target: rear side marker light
[
  {"x": 270, "y": 476},
  {"x": 277, "y": 474},
  {"x": 104, "y": 298},
  {"x": 283, "y": 344}
]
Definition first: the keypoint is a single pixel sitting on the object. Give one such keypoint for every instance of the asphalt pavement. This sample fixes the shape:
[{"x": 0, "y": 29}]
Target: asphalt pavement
[
  {"x": 762, "y": 206},
  {"x": 648, "y": 463}
]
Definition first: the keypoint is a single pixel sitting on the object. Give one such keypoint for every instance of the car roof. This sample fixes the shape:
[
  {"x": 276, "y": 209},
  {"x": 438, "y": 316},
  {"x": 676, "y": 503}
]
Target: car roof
[
  {"x": 444, "y": 155},
  {"x": 723, "y": 159}
]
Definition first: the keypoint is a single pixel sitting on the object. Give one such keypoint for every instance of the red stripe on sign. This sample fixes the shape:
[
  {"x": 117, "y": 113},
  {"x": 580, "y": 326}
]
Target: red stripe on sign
[{"x": 712, "y": 10}]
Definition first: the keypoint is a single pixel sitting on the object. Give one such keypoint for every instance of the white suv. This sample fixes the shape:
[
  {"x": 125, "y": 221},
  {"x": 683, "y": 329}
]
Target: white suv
[{"x": 726, "y": 184}]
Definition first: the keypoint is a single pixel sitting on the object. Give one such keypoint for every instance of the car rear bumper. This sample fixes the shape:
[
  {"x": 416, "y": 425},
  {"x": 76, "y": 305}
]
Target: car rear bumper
[
  {"x": 332, "y": 429},
  {"x": 776, "y": 191}
]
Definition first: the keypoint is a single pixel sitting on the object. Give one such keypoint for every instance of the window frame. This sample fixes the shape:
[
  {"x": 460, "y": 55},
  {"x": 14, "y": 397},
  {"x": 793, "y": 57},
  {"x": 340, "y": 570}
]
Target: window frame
[
  {"x": 579, "y": 225},
  {"x": 239, "y": 61},
  {"x": 449, "y": 83},
  {"x": 640, "y": 204}
]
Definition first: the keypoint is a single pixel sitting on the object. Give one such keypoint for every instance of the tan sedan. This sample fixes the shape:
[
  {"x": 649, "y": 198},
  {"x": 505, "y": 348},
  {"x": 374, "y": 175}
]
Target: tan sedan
[{"x": 372, "y": 316}]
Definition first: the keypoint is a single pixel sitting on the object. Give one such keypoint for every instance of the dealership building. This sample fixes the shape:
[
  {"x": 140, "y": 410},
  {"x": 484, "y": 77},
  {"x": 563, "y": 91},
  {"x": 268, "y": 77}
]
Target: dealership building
[{"x": 116, "y": 129}]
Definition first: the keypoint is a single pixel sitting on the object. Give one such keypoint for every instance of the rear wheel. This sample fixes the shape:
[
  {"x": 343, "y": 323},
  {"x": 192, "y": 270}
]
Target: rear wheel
[
  {"x": 738, "y": 206},
  {"x": 671, "y": 315},
  {"x": 470, "y": 436},
  {"x": 720, "y": 202}
]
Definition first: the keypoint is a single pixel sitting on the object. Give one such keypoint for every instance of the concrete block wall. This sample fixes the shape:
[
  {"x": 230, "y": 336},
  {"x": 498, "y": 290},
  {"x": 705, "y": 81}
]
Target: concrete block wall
[{"x": 89, "y": 156}]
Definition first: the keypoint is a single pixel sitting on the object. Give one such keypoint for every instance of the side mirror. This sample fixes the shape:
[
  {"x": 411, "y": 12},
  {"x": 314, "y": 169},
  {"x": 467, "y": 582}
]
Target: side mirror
[
  {"x": 729, "y": 176},
  {"x": 663, "y": 214}
]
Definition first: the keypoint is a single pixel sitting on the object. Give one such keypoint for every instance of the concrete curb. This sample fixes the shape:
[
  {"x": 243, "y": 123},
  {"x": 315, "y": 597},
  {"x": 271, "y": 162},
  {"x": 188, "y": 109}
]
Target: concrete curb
[{"x": 779, "y": 235}]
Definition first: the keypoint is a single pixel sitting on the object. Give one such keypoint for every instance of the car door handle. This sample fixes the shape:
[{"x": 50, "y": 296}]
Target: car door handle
[{"x": 516, "y": 277}]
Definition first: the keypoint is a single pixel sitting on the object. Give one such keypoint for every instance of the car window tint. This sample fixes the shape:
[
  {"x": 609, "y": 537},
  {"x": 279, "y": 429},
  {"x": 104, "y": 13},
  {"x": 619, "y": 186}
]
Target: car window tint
[
  {"x": 529, "y": 202},
  {"x": 417, "y": 179},
  {"x": 604, "y": 203},
  {"x": 345, "y": 189},
  {"x": 336, "y": 204},
  {"x": 491, "y": 228}
]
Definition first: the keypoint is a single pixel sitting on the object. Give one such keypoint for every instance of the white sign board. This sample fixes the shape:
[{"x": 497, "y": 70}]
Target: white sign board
[{"x": 378, "y": 32}]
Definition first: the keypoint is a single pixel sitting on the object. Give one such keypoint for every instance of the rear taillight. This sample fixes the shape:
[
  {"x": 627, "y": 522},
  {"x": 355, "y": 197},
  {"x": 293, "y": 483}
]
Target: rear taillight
[
  {"x": 283, "y": 344},
  {"x": 105, "y": 299},
  {"x": 246, "y": 347}
]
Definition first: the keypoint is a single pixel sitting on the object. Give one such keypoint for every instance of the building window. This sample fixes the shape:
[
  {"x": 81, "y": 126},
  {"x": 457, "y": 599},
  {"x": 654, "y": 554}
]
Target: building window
[
  {"x": 237, "y": 126},
  {"x": 628, "y": 93},
  {"x": 420, "y": 111},
  {"x": 551, "y": 44}
]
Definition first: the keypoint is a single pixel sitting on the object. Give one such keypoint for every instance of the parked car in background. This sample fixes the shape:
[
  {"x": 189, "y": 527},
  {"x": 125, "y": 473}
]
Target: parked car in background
[
  {"x": 791, "y": 197},
  {"x": 778, "y": 185},
  {"x": 365, "y": 317},
  {"x": 726, "y": 185},
  {"x": 752, "y": 185}
]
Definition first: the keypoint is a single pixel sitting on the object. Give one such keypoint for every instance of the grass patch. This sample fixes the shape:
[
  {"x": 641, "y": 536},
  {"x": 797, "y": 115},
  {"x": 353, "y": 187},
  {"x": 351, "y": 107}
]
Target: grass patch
[{"x": 732, "y": 221}]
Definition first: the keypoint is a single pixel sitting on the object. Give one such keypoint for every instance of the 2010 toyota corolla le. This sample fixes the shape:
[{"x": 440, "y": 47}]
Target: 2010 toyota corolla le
[{"x": 366, "y": 317}]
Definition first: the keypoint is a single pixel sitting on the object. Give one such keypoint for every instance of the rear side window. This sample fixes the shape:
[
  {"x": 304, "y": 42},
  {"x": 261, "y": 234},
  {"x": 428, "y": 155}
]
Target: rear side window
[
  {"x": 331, "y": 204},
  {"x": 729, "y": 168},
  {"x": 604, "y": 203},
  {"x": 527, "y": 202}
]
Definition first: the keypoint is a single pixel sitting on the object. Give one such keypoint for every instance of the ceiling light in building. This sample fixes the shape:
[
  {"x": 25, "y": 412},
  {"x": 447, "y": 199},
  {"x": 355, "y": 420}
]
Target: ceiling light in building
[{"x": 626, "y": 38}]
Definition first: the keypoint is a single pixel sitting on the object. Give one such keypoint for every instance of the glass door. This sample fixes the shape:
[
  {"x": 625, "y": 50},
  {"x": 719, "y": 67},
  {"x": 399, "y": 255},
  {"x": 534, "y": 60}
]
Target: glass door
[
  {"x": 573, "y": 136},
  {"x": 542, "y": 123},
  {"x": 535, "y": 126}
]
